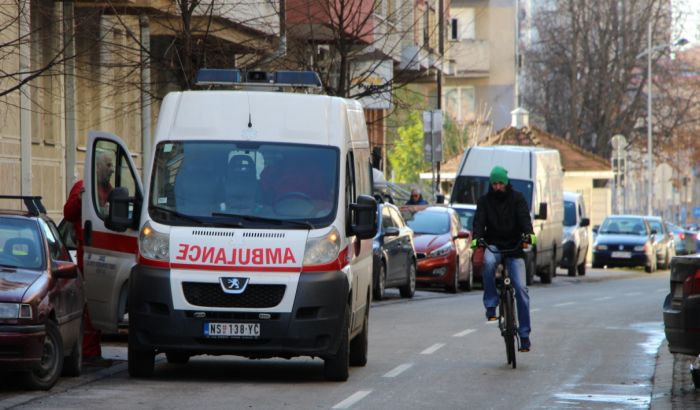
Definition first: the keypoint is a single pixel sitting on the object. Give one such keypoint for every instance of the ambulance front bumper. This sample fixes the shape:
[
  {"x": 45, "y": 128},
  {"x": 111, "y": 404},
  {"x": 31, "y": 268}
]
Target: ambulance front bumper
[{"x": 311, "y": 328}]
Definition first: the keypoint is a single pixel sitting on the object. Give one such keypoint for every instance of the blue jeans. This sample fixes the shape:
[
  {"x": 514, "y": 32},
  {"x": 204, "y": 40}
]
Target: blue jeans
[{"x": 516, "y": 267}]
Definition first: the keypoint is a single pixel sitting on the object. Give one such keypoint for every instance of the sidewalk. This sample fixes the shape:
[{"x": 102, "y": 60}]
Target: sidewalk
[{"x": 672, "y": 385}]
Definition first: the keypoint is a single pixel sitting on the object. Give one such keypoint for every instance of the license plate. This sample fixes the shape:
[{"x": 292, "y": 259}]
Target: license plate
[
  {"x": 621, "y": 254},
  {"x": 232, "y": 329}
]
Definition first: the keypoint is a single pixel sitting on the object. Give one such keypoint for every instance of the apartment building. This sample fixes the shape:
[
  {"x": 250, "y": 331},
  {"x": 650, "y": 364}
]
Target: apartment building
[{"x": 481, "y": 49}]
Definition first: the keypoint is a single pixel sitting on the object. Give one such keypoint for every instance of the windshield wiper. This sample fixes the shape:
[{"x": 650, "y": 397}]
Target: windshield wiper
[
  {"x": 175, "y": 213},
  {"x": 253, "y": 218}
]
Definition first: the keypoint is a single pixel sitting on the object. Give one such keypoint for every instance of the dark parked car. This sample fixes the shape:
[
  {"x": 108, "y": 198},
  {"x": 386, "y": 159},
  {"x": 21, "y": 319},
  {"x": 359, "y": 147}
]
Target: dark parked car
[
  {"x": 394, "y": 254},
  {"x": 682, "y": 306},
  {"x": 41, "y": 298},
  {"x": 684, "y": 239},
  {"x": 624, "y": 240},
  {"x": 663, "y": 241},
  {"x": 443, "y": 249}
]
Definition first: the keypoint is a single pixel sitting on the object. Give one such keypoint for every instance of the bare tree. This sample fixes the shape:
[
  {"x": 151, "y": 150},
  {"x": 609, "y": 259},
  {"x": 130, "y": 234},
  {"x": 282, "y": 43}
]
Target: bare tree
[{"x": 585, "y": 81}]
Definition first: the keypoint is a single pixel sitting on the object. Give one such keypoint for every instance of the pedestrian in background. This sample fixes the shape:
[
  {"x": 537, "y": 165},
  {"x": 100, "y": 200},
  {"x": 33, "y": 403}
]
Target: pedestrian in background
[
  {"x": 416, "y": 198},
  {"x": 72, "y": 212}
]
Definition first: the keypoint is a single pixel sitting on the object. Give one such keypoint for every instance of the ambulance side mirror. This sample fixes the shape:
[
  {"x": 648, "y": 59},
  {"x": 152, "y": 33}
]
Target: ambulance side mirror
[
  {"x": 363, "y": 218},
  {"x": 122, "y": 208}
]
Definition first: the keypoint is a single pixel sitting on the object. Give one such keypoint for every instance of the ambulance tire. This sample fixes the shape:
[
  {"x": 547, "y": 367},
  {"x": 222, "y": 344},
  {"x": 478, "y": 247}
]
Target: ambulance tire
[
  {"x": 141, "y": 361},
  {"x": 358, "y": 345},
  {"x": 177, "y": 357},
  {"x": 337, "y": 367}
]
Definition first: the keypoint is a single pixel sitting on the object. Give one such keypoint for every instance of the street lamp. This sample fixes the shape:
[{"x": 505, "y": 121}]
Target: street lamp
[{"x": 647, "y": 52}]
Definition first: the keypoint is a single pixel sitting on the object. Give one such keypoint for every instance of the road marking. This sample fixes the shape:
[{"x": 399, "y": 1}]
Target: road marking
[
  {"x": 603, "y": 298},
  {"x": 464, "y": 333},
  {"x": 633, "y": 294},
  {"x": 347, "y": 403},
  {"x": 432, "y": 349},
  {"x": 606, "y": 398},
  {"x": 564, "y": 304},
  {"x": 398, "y": 370}
]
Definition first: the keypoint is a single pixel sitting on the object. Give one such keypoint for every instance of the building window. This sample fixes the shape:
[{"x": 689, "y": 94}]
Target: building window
[
  {"x": 460, "y": 103},
  {"x": 454, "y": 29}
]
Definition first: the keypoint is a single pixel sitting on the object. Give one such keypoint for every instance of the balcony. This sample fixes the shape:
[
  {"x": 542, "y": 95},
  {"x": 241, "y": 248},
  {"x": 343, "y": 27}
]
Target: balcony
[
  {"x": 469, "y": 58},
  {"x": 414, "y": 58}
]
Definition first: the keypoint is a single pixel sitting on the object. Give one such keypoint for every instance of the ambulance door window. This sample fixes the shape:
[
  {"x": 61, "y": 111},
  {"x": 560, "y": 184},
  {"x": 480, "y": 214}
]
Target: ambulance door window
[{"x": 111, "y": 169}]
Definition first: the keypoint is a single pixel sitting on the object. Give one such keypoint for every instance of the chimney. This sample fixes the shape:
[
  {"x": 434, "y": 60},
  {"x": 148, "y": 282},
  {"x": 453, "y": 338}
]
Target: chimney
[{"x": 520, "y": 118}]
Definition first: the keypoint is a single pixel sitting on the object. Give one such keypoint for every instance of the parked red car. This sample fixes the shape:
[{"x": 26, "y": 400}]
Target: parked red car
[
  {"x": 442, "y": 249},
  {"x": 41, "y": 298}
]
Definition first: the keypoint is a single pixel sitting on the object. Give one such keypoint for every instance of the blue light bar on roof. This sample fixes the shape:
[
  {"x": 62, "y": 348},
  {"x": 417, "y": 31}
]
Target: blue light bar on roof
[
  {"x": 211, "y": 76},
  {"x": 298, "y": 78},
  {"x": 235, "y": 77}
]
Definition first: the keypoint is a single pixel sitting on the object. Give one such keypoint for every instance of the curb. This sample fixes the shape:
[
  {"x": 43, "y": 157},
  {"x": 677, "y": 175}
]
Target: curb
[{"x": 673, "y": 384}]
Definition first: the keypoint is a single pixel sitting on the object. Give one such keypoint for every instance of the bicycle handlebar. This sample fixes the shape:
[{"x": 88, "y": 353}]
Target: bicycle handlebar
[{"x": 524, "y": 240}]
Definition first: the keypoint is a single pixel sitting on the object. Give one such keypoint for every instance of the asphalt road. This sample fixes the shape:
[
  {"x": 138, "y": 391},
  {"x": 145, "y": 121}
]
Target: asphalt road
[{"x": 595, "y": 340}]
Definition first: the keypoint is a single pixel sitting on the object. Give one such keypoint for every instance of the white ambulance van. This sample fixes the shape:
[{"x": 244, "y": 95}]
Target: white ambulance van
[
  {"x": 537, "y": 174},
  {"x": 252, "y": 233}
]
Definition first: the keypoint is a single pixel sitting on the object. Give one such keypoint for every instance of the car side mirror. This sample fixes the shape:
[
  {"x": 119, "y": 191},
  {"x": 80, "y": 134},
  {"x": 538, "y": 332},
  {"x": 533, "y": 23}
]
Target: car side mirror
[
  {"x": 64, "y": 270},
  {"x": 362, "y": 218},
  {"x": 542, "y": 212},
  {"x": 595, "y": 228},
  {"x": 653, "y": 231},
  {"x": 463, "y": 234},
  {"x": 585, "y": 222},
  {"x": 391, "y": 231}
]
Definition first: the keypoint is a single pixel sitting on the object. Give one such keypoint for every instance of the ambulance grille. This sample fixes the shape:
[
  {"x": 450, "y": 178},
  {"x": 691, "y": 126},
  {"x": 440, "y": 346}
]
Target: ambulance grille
[
  {"x": 261, "y": 235},
  {"x": 211, "y": 295},
  {"x": 200, "y": 232}
]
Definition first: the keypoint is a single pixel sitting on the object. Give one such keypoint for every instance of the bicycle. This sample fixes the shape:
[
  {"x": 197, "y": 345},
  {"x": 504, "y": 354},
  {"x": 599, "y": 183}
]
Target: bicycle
[{"x": 507, "y": 320}]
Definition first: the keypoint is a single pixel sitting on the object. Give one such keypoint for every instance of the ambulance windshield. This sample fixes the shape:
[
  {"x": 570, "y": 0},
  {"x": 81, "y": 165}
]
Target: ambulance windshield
[{"x": 241, "y": 183}]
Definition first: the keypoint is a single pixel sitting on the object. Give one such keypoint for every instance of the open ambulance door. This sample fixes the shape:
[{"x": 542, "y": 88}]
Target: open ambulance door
[{"x": 109, "y": 254}]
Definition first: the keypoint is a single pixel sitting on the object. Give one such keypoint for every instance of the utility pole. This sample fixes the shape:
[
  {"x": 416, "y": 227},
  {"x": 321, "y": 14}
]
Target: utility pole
[{"x": 441, "y": 50}]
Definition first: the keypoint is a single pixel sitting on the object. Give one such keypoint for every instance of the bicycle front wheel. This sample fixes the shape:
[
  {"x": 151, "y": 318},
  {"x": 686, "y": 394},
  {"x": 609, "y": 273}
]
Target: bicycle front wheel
[{"x": 510, "y": 329}]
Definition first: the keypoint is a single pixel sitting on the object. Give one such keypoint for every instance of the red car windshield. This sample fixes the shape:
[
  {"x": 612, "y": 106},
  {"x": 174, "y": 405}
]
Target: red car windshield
[
  {"x": 432, "y": 223},
  {"x": 20, "y": 244}
]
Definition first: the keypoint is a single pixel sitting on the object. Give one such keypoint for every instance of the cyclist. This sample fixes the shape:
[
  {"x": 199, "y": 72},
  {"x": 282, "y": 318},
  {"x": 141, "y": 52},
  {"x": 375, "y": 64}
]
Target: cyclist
[{"x": 501, "y": 219}]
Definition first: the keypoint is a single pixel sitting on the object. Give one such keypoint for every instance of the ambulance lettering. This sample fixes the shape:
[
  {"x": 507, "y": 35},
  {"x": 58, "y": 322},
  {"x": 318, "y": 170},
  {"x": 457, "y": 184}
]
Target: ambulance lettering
[{"x": 234, "y": 256}]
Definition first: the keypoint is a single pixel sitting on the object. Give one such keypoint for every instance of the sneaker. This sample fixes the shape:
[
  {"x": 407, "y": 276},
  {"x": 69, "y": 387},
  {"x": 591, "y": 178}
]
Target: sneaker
[
  {"x": 524, "y": 344},
  {"x": 491, "y": 314}
]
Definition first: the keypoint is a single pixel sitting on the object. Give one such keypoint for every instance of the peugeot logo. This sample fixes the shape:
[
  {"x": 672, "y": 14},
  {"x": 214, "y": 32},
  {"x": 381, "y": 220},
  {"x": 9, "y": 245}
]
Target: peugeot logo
[
  {"x": 233, "y": 285},
  {"x": 622, "y": 247}
]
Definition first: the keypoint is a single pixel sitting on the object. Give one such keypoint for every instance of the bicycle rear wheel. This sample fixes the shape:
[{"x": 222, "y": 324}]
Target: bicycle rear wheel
[{"x": 509, "y": 322}]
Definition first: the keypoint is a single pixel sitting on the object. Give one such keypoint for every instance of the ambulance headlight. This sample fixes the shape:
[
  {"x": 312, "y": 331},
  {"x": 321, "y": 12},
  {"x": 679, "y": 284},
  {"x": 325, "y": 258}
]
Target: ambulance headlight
[
  {"x": 154, "y": 244},
  {"x": 323, "y": 249}
]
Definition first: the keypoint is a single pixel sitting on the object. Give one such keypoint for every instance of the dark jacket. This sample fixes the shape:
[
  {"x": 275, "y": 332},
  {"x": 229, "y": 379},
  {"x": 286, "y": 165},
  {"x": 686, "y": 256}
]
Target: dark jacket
[
  {"x": 419, "y": 201},
  {"x": 502, "y": 221}
]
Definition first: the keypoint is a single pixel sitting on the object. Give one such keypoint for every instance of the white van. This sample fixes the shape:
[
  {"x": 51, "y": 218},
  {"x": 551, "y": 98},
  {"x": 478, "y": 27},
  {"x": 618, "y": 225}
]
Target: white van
[
  {"x": 252, "y": 233},
  {"x": 575, "y": 241},
  {"x": 537, "y": 174}
]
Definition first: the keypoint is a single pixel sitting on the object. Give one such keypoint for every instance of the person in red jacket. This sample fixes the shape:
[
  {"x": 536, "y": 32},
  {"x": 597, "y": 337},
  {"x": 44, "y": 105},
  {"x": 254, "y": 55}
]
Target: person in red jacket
[{"x": 72, "y": 212}]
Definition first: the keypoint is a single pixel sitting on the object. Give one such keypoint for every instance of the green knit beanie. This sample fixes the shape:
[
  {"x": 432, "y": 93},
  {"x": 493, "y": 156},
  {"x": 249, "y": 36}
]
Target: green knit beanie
[{"x": 499, "y": 174}]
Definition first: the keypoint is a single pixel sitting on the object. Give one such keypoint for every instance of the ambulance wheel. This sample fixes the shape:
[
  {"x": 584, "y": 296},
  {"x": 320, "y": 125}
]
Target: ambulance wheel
[
  {"x": 358, "y": 345},
  {"x": 177, "y": 357},
  {"x": 141, "y": 361},
  {"x": 337, "y": 367}
]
